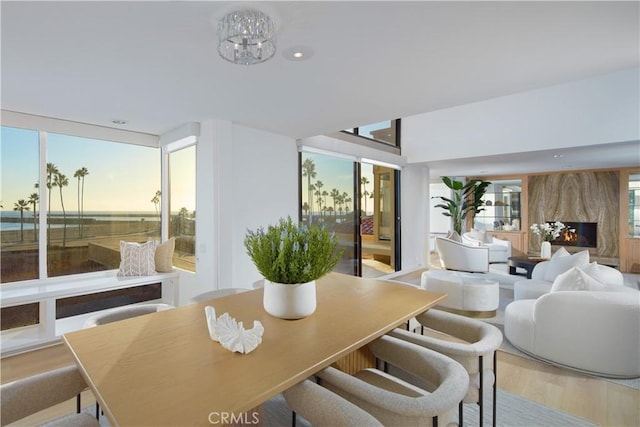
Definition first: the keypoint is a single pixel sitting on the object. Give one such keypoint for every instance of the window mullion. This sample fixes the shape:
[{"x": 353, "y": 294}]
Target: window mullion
[{"x": 43, "y": 201}]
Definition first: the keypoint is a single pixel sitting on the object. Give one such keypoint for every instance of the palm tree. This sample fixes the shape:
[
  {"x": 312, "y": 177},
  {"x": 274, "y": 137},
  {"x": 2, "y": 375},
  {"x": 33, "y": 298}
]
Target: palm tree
[
  {"x": 335, "y": 195},
  {"x": 364, "y": 181},
  {"x": 52, "y": 170},
  {"x": 309, "y": 170},
  {"x": 60, "y": 180},
  {"x": 21, "y": 205},
  {"x": 34, "y": 199},
  {"x": 80, "y": 174},
  {"x": 156, "y": 201},
  {"x": 318, "y": 186}
]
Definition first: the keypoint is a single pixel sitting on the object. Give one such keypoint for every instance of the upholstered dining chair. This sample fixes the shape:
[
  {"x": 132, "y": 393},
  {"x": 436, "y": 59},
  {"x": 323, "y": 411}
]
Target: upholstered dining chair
[
  {"x": 468, "y": 341},
  {"x": 27, "y": 396},
  {"x": 218, "y": 293},
  {"x": 394, "y": 401},
  {"x": 122, "y": 313},
  {"x": 322, "y": 407}
]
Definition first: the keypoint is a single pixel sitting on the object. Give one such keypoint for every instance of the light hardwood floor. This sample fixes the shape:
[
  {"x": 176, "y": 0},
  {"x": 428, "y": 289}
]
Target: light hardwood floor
[{"x": 598, "y": 400}]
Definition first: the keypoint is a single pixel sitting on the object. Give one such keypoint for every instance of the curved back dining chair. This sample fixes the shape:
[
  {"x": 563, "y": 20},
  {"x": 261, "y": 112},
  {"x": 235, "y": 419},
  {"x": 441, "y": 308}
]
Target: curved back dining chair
[
  {"x": 471, "y": 342},
  {"x": 394, "y": 401},
  {"x": 27, "y": 396}
]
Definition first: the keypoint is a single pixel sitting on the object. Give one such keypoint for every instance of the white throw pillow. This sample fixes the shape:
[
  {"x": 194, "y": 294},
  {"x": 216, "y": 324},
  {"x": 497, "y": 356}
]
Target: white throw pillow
[
  {"x": 604, "y": 274},
  {"x": 137, "y": 259},
  {"x": 560, "y": 264},
  {"x": 560, "y": 253},
  {"x": 575, "y": 279},
  {"x": 479, "y": 235}
]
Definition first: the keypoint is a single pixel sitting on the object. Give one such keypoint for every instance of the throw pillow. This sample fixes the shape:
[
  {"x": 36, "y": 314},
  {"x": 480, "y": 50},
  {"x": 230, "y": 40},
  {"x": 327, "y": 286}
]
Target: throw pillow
[
  {"x": 164, "y": 256},
  {"x": 575, "y": 279},
  {"x": 604, "y": 274},
  {"x": 560, "y": 264},
  {"x": 560, "y": 253},
  {"x": 479, "y": 235},
  {"x": 137, "y": 259}
]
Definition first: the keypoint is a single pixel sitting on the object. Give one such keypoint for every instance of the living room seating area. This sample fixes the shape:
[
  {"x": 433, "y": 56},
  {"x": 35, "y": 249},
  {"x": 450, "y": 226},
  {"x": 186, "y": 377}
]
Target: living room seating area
[{"x": 577, "y": 314}]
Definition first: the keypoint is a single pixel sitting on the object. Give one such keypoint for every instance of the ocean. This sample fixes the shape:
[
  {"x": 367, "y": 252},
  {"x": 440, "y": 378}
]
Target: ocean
[{"x": 10, "y": 220}]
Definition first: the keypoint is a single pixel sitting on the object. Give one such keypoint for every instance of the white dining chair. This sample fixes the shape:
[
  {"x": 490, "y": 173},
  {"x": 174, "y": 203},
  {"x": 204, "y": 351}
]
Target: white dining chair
[
  {"x": 471, "y": 342},
  {"x": 395, "y": 401},
  {"x": 30, "y": 395},
  {"x": 322, "y": 407}
]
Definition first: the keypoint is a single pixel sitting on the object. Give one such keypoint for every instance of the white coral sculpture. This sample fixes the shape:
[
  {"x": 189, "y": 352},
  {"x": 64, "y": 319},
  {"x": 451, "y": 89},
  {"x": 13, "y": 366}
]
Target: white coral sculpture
[{"x": 231, "y": 334}]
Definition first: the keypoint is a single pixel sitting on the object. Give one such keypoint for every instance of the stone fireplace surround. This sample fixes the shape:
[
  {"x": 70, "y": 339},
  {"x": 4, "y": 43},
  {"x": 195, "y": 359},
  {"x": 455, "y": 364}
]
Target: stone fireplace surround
[{"x": 579, "y": 197}]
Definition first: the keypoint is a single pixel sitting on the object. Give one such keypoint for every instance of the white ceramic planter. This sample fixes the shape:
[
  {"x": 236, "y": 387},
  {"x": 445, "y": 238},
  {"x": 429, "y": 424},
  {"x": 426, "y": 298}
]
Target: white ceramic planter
[
  {"x": 545, "y": 250},
  {"x": 289, "y": 301}
]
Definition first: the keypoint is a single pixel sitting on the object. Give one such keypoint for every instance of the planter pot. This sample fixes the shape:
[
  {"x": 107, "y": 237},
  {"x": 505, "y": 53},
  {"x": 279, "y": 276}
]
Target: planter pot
[
  {"x": 545, "y": 250},
  {"x": 289, "y": 301}
]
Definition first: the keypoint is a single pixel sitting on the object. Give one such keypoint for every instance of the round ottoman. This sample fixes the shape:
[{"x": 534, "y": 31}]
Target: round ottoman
[{"x": 468, "y": 294}]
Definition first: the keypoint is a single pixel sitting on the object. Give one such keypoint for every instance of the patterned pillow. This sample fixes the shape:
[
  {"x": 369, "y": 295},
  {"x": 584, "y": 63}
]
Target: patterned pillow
[
  {"x": 137, "y": 259},
  {"x": 164, "y": 256}
]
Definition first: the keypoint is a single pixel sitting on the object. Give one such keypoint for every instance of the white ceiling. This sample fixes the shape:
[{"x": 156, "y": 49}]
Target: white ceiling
[{"x": 155, "y": 65}]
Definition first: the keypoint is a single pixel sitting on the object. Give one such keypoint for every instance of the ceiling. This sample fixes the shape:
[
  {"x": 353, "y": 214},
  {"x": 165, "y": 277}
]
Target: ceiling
[{"x": 155, "y": 64}]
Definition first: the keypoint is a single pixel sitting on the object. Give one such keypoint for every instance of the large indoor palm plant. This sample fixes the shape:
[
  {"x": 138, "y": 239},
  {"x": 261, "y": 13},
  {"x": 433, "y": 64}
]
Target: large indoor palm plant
[{"x": 465, "y": 199}]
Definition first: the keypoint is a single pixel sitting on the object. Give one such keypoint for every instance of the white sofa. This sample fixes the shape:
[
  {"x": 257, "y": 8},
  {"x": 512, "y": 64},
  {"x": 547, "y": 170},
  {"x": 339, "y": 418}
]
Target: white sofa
[
  {"x": 499, "y": 250},
  {"x": 581, "y": 323},
  {"x": 545, "y": 272},
  {"x": 458, "y": 256}
]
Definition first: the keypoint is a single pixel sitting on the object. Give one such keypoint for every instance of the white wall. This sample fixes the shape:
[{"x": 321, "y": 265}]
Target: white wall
[
  {"x": 246, "y": 178},
  {"x": 600, "y": 110},
  {"x": 265, "y": 188},
  {"x": 414, "y": 193}
]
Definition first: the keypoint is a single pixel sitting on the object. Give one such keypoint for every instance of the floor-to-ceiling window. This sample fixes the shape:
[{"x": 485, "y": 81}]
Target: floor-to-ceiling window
[
  {"x": 356, "y": 200},
  {"x": 327, "y": 198}
]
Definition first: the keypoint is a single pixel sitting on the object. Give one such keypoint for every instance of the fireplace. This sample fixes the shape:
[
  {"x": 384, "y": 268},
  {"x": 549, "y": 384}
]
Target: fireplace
[{"x": 581, "y": 234}]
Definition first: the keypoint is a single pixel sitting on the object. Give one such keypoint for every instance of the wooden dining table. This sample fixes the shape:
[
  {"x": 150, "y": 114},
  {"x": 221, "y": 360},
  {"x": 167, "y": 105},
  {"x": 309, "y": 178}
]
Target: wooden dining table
[{"x": 164, "y": 369}]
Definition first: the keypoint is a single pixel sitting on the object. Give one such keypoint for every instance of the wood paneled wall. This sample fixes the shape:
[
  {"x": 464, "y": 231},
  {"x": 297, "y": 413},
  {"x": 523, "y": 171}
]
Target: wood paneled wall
[{"x": 578, "y": 197}]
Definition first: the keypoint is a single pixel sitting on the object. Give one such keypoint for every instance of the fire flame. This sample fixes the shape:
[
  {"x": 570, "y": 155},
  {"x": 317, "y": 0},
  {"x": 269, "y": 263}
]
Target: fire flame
[{"x": 569, "y": 235}]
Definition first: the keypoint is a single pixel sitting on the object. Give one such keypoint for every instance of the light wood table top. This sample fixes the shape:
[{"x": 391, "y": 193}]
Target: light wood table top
[{"x": 163, "y": 368}]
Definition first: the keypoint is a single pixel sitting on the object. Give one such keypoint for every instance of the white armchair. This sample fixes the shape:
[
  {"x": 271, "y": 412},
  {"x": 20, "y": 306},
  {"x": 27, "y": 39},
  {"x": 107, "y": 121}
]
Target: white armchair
[
  {"x": 458, "y": 256},
  {"x": 499, "y": 250}
]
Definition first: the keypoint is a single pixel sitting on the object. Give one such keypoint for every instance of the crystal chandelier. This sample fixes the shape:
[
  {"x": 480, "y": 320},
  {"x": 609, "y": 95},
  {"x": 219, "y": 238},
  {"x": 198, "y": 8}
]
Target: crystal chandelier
[{"x": 246, "y": 37}]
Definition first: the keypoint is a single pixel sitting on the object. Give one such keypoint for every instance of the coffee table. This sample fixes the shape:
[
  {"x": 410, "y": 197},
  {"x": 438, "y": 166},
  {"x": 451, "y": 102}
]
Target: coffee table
[{"x": 528, "y": 263}]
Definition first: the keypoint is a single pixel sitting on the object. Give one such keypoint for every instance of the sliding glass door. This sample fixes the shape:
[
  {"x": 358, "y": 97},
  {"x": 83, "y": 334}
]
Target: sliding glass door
[{"x": 357, "y": 201}]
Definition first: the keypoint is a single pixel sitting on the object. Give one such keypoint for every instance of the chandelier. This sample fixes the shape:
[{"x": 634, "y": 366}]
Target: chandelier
[{"x": 246, "y": 37}]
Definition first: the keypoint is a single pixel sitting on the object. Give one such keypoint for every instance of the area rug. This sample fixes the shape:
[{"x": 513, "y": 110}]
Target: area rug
[{"x": 512, "y": 411}]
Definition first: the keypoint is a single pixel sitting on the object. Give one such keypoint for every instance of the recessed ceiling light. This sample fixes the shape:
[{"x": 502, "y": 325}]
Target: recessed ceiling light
[
  {"x": 557, "y": 156},
  {"x": 298, "y": 53},
  {"x": 119, "y": 122}
]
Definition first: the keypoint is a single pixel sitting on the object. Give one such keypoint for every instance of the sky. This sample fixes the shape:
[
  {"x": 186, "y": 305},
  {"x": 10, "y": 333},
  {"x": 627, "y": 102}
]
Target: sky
[{"x": 122, "y": 177}]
